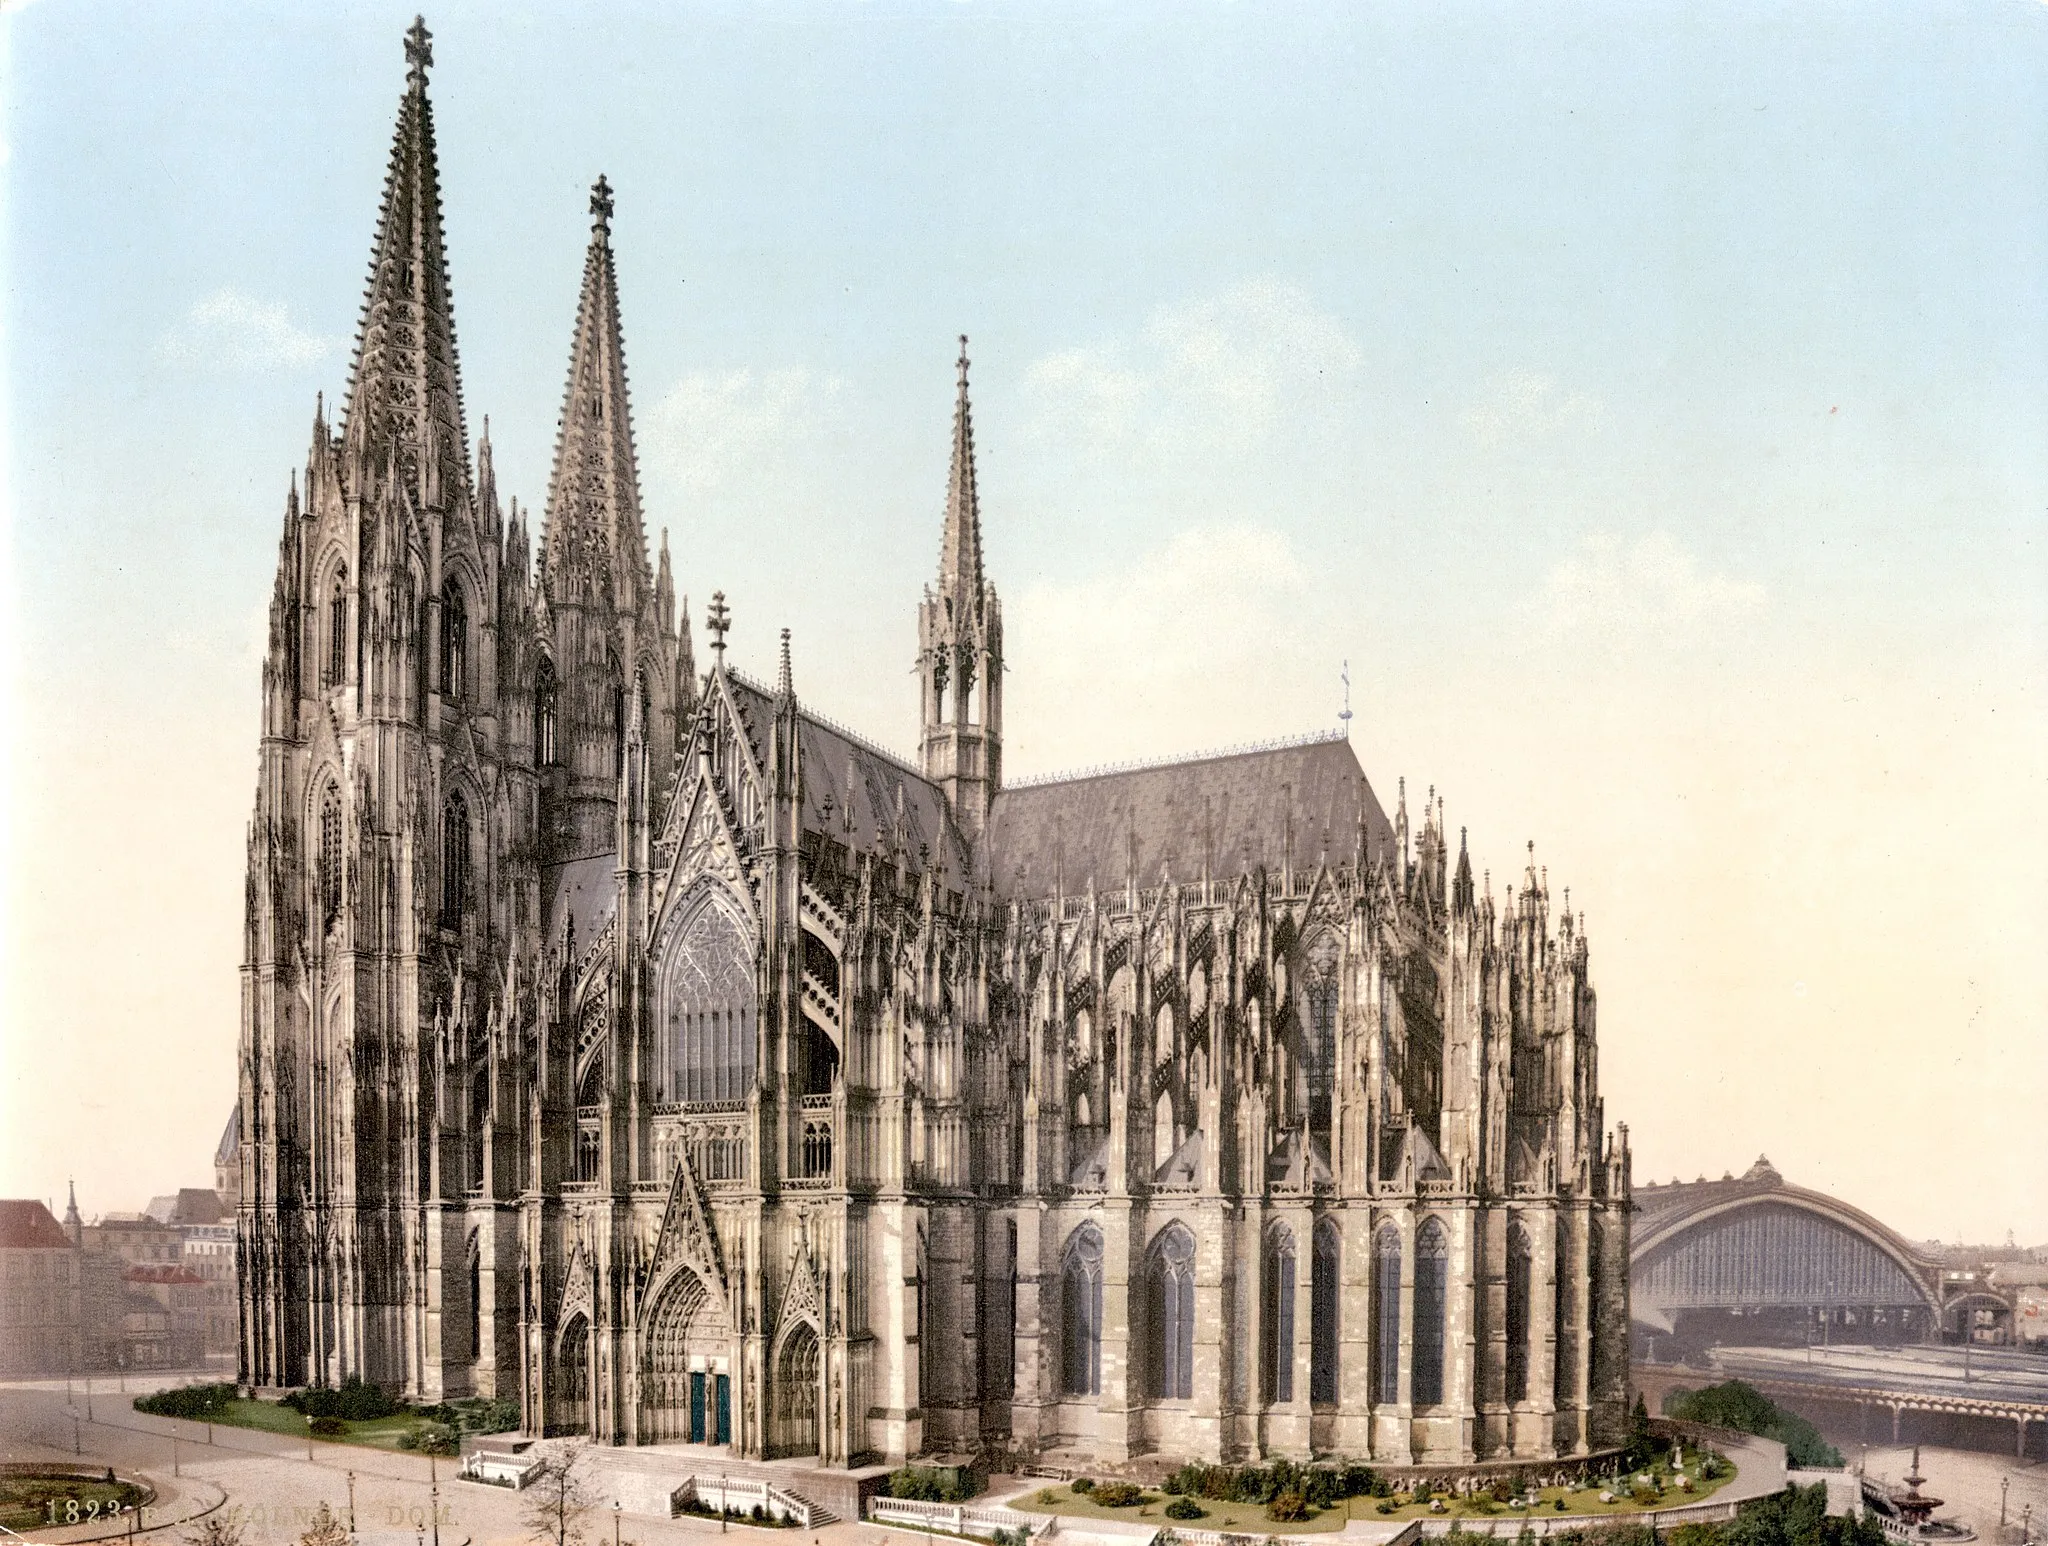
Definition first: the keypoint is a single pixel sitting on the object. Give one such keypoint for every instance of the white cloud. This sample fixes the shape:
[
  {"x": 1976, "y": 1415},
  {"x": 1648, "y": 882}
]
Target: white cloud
[
  {"x": 232, "y": 331},
  {"x": 1652, "y": 588},
  {"x": 1174, "y": 653},
  {"x": 1226, "y": 367},
  {"x": 1522, "y": 406},
  {"x": 714, "y": 430}
]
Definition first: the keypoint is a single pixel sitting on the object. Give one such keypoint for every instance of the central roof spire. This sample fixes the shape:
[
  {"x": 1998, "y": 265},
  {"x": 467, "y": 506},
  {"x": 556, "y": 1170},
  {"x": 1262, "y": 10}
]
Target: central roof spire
[
  {"x": 593, "y": 532},
  {"x": 405, "y": 386},
  {"x": 960, "y": 549}
]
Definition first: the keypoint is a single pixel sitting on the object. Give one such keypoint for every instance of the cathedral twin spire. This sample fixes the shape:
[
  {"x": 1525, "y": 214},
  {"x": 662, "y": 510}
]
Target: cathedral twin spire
[
  {"x": 404, "y": 406},
  {"x": 594, "y": 537}
]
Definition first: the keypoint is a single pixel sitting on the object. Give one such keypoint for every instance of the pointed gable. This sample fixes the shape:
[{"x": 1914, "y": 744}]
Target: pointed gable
[
  {"x": 593, "y": 534},
  {"x": 405, "y": 389}
]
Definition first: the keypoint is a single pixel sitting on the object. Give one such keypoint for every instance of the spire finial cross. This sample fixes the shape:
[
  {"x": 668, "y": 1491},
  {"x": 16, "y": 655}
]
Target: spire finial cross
[
  {"x": 963, "y": 359},
  {"x": 601, "y": 202},
  {"x": 419, "y": 51},
  {"x": 718, "y": 619}
]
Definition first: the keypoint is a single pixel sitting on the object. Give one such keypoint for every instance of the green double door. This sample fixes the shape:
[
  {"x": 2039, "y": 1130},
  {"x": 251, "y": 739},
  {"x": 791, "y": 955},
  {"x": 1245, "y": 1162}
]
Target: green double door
[{"x": 710, "y": 1408}]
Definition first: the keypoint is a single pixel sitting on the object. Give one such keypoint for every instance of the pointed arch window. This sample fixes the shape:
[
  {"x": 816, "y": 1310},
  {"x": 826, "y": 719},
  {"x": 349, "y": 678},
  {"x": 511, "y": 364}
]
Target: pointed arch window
[
  {"x": 1322, "y": 1362},
  {"x": 1081, "y": 1314},
  {"x": 1279, "y": 1314},
  {"x": 1170, "y": 1303},
  {"x": 1386, "y": 1315},
  {"x": 1432, "y": 1295},
  {"x": 710, "y": 1002},
  {"x": 1518, "y": 1313},
  {"x": 618, "y": 720},
  {"x": 337, "y": 631},
  {"x": 1319, "y": 987},
  {"x": 454, "y": 860},
  {"x": 1564, "y": 1370},
  {"x": 544, "y": 699},
  {"x": 454, "y": 641},
  {"x": 330, "y": 855}
]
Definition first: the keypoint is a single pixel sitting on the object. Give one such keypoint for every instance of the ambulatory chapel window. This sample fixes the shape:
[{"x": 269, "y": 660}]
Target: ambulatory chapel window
[
  {"x": 1170, "y": 1304},
  {"x": 1081, "y": 1314}
]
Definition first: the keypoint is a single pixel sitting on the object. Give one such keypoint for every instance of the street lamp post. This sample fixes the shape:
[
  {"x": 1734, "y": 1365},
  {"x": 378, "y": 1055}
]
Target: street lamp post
[
  {"x": 724, "y": 1502},
  {"x": 351, "y": 1503},
  {"x": 2004, "y": 1485},
  {"x": 615, "y": 1522},
  {"x": 434, "y": 1499}
]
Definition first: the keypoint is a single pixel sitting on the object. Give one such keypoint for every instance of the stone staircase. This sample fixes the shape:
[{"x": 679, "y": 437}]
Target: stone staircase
[{"x": 646, "y": 1480}]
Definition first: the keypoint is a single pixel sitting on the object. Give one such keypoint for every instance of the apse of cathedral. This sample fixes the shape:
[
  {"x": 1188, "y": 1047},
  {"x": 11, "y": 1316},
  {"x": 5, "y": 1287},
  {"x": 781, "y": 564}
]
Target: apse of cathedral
[{"x": 633, "y": 1041}]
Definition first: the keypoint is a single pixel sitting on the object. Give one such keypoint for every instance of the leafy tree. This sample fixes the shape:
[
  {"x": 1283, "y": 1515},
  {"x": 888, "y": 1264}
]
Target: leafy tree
[
  {"x": 558, "y": 1498},
  {"x": 1748, "y": 1410}
]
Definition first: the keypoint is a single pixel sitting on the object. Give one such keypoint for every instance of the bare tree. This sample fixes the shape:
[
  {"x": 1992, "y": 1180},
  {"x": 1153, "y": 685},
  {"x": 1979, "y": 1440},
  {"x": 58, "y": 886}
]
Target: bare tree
[
  {"x": 557, "y": 1497},
  {"x": 223, "y": 1527},
  {"x": 327, "y": 1529}
]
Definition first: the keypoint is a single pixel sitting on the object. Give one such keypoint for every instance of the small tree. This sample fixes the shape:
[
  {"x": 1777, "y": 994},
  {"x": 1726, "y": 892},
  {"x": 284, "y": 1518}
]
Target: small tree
[
  {"x": 326, "y": 1530},
  {"x": 557, "y": 1497},
  {"x": 219, "y": 1528}
]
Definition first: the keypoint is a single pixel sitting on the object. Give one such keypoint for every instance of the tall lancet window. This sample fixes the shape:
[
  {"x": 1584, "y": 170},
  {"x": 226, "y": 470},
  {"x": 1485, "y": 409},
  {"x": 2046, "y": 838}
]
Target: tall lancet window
[
  {"x": 1564, "y": 1370},
  {"x": 337, "y": 631},
  {"x": 1319, "y": 985},
  {"x": 1081, "y": 1314},
  {"x": 709, "y": 1000},
  {"x": 1518, "y": 1313},
  {"x": 1170, "y": 1308},
  {"x": 1386, "y": 1315},
  {"x": 544, "y": 697},
  {"x": 1322, "y": 1360},
  {"x": 454, "y": 860},
  {"x": 454, "y": 642},
  {"x": 1279, "y": 1314},
  {"x": 330, "y": 855},
  {"x": 1432, "y": 1296},
  {"x": 618, "y": 719}
]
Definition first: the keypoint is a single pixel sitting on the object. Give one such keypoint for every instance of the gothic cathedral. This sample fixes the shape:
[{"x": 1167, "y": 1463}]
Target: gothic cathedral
[{"x": 635, "y": 1042}]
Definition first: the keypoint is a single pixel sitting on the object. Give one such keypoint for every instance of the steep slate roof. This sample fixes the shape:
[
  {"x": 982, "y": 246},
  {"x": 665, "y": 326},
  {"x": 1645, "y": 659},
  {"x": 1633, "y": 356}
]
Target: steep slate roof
[
  {"x": 27, "y": 1225},
  {"x": 587, "y": 889},
  {"x": 189, "y": 1205},
  {"x": 862, "y": 779},
  {"x": 229, "y": 1149},
  {"x": 1233, "y": 807}
]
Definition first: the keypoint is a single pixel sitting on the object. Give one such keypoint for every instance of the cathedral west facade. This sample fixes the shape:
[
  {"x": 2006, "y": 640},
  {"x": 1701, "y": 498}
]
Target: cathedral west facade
[{"x": 628, "y": 1039}]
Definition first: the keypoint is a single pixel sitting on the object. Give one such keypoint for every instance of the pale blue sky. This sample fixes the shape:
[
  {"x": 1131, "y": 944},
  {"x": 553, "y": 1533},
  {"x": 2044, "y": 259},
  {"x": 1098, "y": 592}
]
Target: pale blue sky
[{"x": 1647, "y": 400}]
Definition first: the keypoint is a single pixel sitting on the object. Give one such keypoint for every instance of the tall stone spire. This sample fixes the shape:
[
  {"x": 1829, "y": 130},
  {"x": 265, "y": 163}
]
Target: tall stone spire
[
  {"x": 960, "y": 647},
  {"x": 593, "y": 530},
  {"x": 405, "y": 388},
  {"x": 960, "y": 547}
]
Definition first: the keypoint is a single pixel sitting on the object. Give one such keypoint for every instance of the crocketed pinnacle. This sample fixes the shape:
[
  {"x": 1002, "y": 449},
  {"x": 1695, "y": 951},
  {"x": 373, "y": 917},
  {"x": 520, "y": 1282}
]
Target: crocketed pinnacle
[
  {"x": 592, "y": 531},
  {"x": 405, "y": 386},
  {"x": 960, "y": 549}
]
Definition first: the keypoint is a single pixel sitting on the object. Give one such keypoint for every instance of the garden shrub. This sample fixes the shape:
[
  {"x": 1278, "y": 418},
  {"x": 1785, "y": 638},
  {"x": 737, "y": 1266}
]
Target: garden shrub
[
  {"x": 1185, "y": 1508},
  {"x": 1082, "y": 1485},
  {"x": 326, "y": 1427},
  {"x": 1117, "y": 1494},
  {"x": 353, "y": 1402},
  {"x": 1287, "y": 1507},
  {"x": 196, "y": 1403}
]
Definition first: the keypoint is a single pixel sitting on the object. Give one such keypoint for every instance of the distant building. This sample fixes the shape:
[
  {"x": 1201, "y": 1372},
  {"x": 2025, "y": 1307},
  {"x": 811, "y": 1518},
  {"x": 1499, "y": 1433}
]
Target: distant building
[
  {"x": 40, "y": 1305},
  {"x": 1754, "y": 1260},
  {"x": 207, "y": 1232},
  {"x": 163, "y": 1317}
]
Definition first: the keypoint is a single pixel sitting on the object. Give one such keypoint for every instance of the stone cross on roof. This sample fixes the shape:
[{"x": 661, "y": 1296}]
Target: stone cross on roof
[
  {"x": 718, "y": 619},
  {"x": 601, "y": 201},
  {"x": 419, "y": 51}
]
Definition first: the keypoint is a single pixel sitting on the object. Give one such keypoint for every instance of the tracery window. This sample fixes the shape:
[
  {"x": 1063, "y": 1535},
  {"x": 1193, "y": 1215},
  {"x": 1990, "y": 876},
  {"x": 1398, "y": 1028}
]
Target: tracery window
[
  {"x": 1386, "y": 1315},
  {"x": 1322, "y": 1363},
  {"x": 1432, "y": 1294},
  {"x": 709, "y": 1000},
  {"x": 454, "y": 641},
  {"x": 454, "y": 860},
  {"x": 1081, "y": 1314},
  {"x": 330, "y": 855},
  {"x": 1319, "y": 989},
  {"x": 337, "y": 631},
  {"x": 544, "y": 698},
  {"x": 1278, "y": 1352},
  {"x": 618, "y": 722},
  {"x": 1170, "y": 1305},
  {"x": 1518, "y": 1313}
]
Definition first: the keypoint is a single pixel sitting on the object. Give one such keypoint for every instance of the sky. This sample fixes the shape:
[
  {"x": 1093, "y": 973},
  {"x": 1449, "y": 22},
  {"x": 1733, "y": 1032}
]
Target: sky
[{"x": 1647, "y": 402}]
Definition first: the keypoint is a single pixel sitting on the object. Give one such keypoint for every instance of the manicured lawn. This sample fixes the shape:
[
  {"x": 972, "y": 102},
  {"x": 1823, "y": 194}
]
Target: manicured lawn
[
  {"x": 1250, "y": 1518},
  {"x": 270, "y": 1417},
  {"x": 267, "y": 1415}
]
